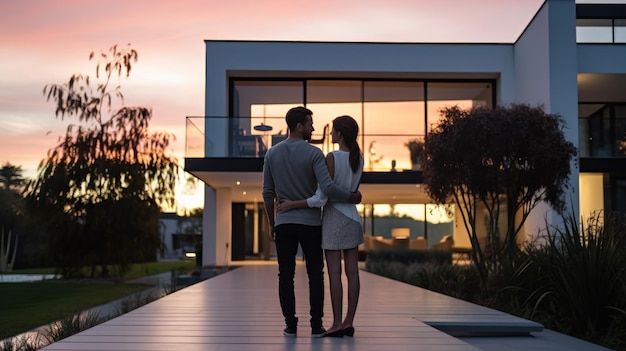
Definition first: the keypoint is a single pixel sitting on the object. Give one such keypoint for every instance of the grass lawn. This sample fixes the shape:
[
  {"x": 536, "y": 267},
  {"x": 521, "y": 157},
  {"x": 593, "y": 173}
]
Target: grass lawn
[{"x": 24, "y": 306}]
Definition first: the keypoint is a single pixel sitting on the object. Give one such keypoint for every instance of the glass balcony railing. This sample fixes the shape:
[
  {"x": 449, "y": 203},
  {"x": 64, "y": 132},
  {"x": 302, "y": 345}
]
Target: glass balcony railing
[
  {"x": 601, "y": 30},
  {"x": 194, "y": 137},
  {"x": 251, "y": 137}
]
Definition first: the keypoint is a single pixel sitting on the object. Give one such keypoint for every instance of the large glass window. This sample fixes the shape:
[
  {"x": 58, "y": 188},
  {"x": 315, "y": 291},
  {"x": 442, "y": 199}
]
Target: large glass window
[
  {"x": 395, "y": 115},
  {"x": 585, "y": 137},
  {"x": 594, "y": 31},
  {"x": 329, "y": 99},
  {"x": 426, "y": 220},
  {"x": 391, "y": 115},
  {"x": 619, "y": 31},
  {"x": 259, "y": 108},
  {"x": 465, "y": 95},
  {"x": 599, "y": 133},
  {"x": 620, "y": 130},
  {"x": 617, "y": 193},
  {"x": 603, "y": 130},
  {"x": 601, "y": 30}
]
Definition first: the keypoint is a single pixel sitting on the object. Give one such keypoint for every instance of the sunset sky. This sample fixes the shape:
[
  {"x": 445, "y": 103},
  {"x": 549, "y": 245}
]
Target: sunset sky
[{"x": 46, "y": 41}]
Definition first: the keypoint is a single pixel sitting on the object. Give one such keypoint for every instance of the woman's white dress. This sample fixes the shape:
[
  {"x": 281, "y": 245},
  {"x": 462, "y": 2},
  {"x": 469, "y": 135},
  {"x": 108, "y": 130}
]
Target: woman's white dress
[{"x": 341, "y": 223}]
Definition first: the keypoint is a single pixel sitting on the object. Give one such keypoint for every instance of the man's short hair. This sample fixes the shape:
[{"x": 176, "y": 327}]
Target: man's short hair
[{"x": 297, "y": 115}]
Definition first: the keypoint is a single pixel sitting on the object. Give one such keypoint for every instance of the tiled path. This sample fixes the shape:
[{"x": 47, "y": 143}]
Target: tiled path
[{"x": 239, "y": 311}]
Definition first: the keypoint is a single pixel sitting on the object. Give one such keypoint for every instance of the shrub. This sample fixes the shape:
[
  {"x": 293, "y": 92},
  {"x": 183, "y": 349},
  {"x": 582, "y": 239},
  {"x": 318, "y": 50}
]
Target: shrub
[
  {"x": 515, "y": 288},
  {"x": 580, "y": 275},
  {"x": 462, "y": 282},
  {"x": 71, "y": 325},
  {"x": 409, "y": 256},
  {"x": 23, "y": 343},
  {"x": 573, "y": 283},
  {"x": 427, "y": 269},
  {"x": 137, "y": 300}
]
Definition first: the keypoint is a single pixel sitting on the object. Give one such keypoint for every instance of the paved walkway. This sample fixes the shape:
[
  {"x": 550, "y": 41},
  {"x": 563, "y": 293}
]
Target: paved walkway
[{"x": 239, "y": 311}]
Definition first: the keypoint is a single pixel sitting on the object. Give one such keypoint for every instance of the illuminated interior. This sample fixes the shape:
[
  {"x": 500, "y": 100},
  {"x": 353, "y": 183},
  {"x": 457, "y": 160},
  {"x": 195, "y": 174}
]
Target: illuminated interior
[{"x": 390, "y": 114}]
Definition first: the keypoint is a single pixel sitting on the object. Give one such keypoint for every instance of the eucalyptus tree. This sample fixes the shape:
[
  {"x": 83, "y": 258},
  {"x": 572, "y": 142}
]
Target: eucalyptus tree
[
  {"x": 511, "y": 157},
  {"x": 104, "y": 184}
]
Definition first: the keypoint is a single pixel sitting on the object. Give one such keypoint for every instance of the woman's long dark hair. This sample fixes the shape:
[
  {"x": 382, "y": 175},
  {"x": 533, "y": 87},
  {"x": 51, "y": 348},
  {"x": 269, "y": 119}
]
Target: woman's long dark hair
[{"x": 349, "y": 129}]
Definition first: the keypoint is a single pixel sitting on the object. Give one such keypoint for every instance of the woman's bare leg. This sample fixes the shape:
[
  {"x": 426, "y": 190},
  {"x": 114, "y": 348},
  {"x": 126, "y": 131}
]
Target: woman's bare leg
[
  {"x": 351, "y": 262},
  {"x": 333, "y": 262}
]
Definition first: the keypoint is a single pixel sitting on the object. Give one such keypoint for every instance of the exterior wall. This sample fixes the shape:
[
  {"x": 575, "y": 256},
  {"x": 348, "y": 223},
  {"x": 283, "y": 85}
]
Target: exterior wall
[
  {"x": 216, "y": 227},
  {"x": 322, "y": 58},
  {"x": 223, "y": 226},
  {"x": 209, "y": 227},
  {"x": 601, "y": 58},
  {"x": 546, "y": 71},
  {"x": 531, "y": 66},
  {"x": 216, "y": 103}
]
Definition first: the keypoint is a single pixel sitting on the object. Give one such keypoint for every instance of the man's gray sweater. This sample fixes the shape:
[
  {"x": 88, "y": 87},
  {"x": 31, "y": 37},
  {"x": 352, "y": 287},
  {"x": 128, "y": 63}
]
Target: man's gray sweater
[{"x": 292, "y": 170}]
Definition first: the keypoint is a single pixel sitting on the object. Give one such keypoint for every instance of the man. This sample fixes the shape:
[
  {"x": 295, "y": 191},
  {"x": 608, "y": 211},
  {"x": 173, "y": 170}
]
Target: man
[{"x": 293, "y": 170}]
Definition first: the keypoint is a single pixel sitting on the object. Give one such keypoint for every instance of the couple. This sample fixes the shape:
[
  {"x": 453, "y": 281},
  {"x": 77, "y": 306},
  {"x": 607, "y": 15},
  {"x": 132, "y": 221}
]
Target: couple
[{"x": 297, "y": 181}]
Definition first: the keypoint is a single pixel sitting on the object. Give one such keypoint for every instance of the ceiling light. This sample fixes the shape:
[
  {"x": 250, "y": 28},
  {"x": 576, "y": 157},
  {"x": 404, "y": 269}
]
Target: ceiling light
[{"x": 263, "y": 127}]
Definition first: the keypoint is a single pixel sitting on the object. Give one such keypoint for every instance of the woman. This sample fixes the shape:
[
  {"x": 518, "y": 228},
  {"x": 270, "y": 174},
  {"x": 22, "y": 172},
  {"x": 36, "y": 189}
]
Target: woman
[{"x": 342, "y": 231}]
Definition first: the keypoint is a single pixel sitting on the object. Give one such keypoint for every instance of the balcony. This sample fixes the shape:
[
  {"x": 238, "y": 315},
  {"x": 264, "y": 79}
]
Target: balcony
[{"x": 251, "y": 137}]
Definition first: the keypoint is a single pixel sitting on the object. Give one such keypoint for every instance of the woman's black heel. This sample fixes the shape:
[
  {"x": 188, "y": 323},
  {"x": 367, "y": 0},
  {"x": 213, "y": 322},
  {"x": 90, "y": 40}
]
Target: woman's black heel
[
  {"x": 349, "y": 331},
  {"x": 336, "y": 334}
]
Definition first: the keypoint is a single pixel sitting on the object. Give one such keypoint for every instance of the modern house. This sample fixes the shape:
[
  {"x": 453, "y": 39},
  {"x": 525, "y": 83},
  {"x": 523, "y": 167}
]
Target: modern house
[{"x": 571, "y": 58}]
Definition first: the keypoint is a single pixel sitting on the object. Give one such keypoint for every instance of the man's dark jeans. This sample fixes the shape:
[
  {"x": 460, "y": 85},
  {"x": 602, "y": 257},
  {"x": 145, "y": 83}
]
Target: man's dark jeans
[{"x": 288, "y": 236}]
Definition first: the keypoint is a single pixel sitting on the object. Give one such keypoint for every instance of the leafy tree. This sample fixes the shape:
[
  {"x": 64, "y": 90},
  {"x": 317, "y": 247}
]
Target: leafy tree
[
  {"x": 10, "y": 214},
  {"x": 507, "y": 157},
  {"x": 20, "y": 236},
  {"x": 11, "y": 176},
  {"x": 8, "y": 250},
  {"x": 10, "y": 209},
  {"x": 102, "y": 187},
  {"x": 11, "y": 182}
]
